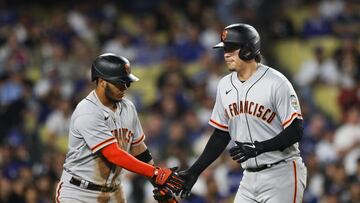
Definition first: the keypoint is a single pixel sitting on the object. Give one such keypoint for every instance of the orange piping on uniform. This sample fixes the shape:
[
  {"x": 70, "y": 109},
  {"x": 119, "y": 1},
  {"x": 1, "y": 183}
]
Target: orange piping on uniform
[
  {"x": 58, "y": 192},
  {"x": 292, "y": 118},
  {"x": 101, "y": 143},
  {"x": 295, "y": 181},
  {"x": 139, "y": 140},
  {"x": 218, "y": 124}
]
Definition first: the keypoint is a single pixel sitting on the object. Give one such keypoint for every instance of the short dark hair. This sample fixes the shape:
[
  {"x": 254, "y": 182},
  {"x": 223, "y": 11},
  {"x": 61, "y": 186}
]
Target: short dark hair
[{"x": 258, "y": 58}]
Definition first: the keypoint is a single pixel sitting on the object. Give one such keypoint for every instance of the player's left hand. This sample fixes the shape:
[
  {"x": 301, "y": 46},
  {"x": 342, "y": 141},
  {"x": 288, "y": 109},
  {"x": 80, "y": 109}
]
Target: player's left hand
[
  {"x": 167, "y": 177},
  {"x": 164, "y": 195},
  {"x": 245, "y": 150}
]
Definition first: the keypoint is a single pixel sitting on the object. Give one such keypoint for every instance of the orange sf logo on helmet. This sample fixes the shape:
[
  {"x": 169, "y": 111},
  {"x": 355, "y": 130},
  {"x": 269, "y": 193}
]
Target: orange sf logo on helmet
[
  {"x": 127, "y": 69},
  {"x": 224, "y": 35}
]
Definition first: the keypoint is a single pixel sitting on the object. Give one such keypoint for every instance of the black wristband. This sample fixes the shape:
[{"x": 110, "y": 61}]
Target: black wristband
[{"x": 145, "y": 156}]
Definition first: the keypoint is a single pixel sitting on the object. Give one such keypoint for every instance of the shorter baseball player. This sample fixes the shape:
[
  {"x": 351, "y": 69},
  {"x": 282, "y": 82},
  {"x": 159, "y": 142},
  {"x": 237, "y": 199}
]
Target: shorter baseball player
[
  {"x": 257, "y": 107},
  {"x": 105, "y": 136}
]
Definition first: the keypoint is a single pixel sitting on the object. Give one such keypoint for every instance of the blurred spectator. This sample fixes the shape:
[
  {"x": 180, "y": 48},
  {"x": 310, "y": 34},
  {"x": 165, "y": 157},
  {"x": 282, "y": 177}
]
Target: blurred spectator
[
  {"x": 314, "y": 189},
  {"x": 349, "y": 97},
  {"x": 13, "y": 55},
  {"x": 209, "y": 75},
  {"x": 335, "y": 180},
  {"x": 31, "y": 195},
  {"x": 354, "y": 188},
  {"x": 79, "y": 23},
  {"x": 188, "y": 48},
  {"x": 5, "y": 189},
  {"x": 347, "y": 23},
  {"x": 348, "y": 61},
  {"x": 325, "y": 149},
  {"x": 11, "y": 89},
  {"x": 193, "y": 125},
  {"x": 173, "y": 79},
  {"x": 318, "y": 69},
  {"x": 316, "y": 25},
  {"x": 313, "y": 133},
  {"x": 330, "y": 9},
  {"x": 281, "y": 27},
  {"x": 209, "y": 36},
  {"x": 57, "y": 126},
  {"x": 347, "y": 139},
  {"x": 330, "y": 198},
  {"x": 120, "y": 45}
]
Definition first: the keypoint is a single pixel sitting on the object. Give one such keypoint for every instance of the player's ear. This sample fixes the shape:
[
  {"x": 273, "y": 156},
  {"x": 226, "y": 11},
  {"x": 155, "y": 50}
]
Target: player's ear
[{"x": 101, "y": 82}]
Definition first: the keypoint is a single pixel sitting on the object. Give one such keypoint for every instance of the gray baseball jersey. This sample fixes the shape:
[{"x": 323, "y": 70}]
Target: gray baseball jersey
[
  {"x": 94, "y": 126},
  {"x": 258, "y": 110}
]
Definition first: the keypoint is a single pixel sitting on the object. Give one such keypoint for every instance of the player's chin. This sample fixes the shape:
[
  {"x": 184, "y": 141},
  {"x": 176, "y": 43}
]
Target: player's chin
[{"x": 231, "y": 68}]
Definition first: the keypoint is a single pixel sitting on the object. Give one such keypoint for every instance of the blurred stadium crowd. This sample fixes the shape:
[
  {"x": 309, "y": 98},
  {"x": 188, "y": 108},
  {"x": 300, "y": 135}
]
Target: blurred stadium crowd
[{"x": 46, "y": 51}]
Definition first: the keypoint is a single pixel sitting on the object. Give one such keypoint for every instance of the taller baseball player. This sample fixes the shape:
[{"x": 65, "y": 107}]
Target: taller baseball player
[
  {"x": 257, "y": 107},
  {"x": 105, "y": 136}
]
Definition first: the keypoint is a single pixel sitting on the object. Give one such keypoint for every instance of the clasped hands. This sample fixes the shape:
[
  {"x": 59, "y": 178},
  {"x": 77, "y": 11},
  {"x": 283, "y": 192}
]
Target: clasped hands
[{"x": 172, "y": 183}]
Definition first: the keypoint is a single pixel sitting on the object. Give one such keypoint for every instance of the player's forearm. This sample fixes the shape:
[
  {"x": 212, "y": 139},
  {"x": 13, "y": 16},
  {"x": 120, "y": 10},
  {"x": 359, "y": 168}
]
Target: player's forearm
[
  {"x": 213, "y": 149},
  {"x": 290, "y": 135},
  {"x": 123, "y": 159},
  {"x": 142, "y": 153}
]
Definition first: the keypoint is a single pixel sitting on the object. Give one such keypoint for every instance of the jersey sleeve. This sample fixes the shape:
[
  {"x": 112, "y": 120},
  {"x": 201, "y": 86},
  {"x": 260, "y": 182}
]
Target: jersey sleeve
[
  {"x": 139, "y": 135},
  {"x": 219, "y": 118},
  {"x": 94, "y": 130},
  {"x": 287, "y": 104}
]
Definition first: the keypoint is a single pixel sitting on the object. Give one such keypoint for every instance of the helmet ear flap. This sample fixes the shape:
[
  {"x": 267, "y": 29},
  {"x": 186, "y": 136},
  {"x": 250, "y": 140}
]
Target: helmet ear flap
[{"x": 246, "y": 53}]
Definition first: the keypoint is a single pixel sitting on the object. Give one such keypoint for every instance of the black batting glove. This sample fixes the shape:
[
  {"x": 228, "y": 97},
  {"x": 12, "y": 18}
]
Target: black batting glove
[
  {"x": 190, "y": 179},
  {"x": 245, "y": 150},
  {"x": 164, "y": 195}
]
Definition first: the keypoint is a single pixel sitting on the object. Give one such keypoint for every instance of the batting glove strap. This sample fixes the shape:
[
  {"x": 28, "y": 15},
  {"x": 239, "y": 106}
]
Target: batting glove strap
[{"x": 164, "y": 195}]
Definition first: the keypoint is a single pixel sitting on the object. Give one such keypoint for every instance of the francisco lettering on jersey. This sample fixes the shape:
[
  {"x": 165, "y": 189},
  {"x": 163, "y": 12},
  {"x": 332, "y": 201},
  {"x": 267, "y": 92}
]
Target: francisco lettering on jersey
[
  {"x": 251, "y": 108},
  {"x": 123, "y": 135}
]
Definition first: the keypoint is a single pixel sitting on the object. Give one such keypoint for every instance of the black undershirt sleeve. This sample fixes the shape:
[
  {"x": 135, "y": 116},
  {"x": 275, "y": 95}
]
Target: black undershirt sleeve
[
  {"x": 213, "y": 149},
  {"x": 290, "y": 135}
]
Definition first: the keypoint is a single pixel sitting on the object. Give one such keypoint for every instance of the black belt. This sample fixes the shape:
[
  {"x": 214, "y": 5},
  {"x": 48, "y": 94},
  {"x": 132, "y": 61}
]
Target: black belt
[
  {"x": 91, "y": 186},
  {"x": 263, "y": 167}
]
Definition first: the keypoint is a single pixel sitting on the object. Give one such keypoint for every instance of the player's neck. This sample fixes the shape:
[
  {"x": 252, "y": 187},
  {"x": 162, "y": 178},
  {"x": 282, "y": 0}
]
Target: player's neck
[
  {"x": 247, "y": 71},
  {"x": 106, "y": 102}
]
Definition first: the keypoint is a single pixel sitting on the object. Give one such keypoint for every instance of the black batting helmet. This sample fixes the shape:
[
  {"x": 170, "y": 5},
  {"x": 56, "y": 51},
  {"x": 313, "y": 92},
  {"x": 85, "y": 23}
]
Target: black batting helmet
[
  {"x": 243, "y": 37},
  {"x": 112, "y": 68}
]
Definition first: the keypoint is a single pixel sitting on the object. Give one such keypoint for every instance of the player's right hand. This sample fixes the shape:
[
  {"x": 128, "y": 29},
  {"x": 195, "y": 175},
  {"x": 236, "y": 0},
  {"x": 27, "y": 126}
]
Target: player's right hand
[
  {"x": 190, "y": 179},
  {"x": 169, "y": 178}
]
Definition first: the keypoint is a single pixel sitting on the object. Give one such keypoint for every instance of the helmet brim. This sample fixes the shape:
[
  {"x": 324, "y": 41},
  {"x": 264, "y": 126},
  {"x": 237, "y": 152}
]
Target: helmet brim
[
  {"x": 133, "y": 78},
  {"x": 219, "y": 45},
  {"x": 123, "y": 80}
]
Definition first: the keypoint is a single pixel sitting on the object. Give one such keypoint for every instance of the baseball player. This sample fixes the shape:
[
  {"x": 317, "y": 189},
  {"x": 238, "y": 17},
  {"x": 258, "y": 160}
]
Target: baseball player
[
  {"x": 105, "y": 136},
  {"x": 257, "y": 107}
]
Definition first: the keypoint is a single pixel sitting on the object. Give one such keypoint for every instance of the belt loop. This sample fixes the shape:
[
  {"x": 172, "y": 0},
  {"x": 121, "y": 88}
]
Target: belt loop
[{"x": 84, "y": 184}]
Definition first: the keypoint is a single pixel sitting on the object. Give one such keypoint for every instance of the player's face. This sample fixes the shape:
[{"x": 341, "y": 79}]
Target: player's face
[
  {"x": 115, "y": 93},
  {"x": 232, "y": 60}
]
